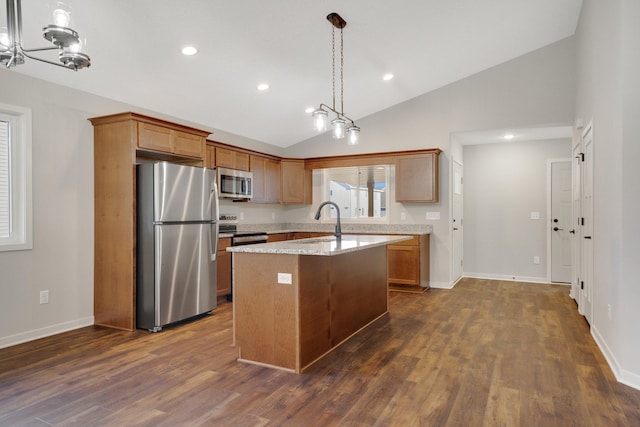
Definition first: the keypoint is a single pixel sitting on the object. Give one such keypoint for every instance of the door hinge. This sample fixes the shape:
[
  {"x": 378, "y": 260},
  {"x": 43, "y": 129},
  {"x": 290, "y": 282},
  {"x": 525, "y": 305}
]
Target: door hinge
[
  {"x": 581, "y": 285},
  {"x": 582, "y": 221}
]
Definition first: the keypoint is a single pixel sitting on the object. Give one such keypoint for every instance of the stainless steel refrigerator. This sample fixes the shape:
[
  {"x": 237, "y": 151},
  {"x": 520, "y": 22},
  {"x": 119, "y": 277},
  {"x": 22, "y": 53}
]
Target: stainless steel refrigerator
[{"x": 177, "y": 240}]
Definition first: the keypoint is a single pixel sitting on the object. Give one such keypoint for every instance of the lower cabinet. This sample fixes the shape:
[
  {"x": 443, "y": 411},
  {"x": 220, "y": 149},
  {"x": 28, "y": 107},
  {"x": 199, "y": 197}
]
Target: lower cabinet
[
  {"x": 224, "y": 267},
  {"x": 408, "y": 265},
  {"x": 279, "y": 237}
]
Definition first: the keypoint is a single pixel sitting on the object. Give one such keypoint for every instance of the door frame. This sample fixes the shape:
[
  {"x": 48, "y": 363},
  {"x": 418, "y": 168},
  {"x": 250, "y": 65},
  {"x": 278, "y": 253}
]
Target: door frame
[
  {"x": 550, "y": 162},
  {"x": 451, "y": 225}
]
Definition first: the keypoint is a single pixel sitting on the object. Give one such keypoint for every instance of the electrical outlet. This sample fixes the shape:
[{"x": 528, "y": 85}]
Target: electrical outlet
[
  {"x": 535, "y": 215},
  {"x": 403, "y": 216},
  {"x": 284, "y": 278},
  {"x": 536, "y": 260},
  {"x": 433, "y": 216},
  {"x": 44, "y": 297},
  {"x": 241, "y": 216},
  {"x": 273, "y": 215}
]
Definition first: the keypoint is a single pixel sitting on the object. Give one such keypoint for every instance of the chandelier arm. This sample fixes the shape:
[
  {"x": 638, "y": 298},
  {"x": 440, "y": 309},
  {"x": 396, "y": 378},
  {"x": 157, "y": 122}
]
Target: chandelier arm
[
  {"x": 18, "y": 14},
  {"x": 40, "y": 49},
  {"x": 49, "y": 62},
  {"x": 341, "y": 72}
]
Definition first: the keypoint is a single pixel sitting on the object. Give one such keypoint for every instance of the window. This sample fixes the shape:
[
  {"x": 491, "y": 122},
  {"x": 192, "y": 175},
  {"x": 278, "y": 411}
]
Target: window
[
  {"x": 361, "y": 192},
  {"x": 15, "y": 178}
]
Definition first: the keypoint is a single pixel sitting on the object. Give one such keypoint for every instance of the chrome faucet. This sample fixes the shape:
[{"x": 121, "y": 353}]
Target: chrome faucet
[{"x": 338, "y": 232}]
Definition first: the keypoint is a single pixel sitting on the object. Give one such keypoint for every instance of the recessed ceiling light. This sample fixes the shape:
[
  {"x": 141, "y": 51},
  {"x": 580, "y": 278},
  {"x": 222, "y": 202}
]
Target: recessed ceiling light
[
  {"x": 189, "y": 50},
  {"x": 309, "y": 110},
  {"x": 509, "y": 136},
  {"x": 263, "y": 86},
  {"x": 387, "y": 77}
]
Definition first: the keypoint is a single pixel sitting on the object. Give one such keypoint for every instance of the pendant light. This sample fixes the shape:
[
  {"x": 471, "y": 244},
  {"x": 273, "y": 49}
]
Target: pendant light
[
  {"x": 341, "y": 125},
  {"x": 63, "y": 38}
]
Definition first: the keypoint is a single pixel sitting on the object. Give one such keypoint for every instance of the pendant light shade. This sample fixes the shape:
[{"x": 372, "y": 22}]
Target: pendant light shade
[
  {"x": 320, "y": 120},
  {"x": 338, "y": 128},
  {"x": 354, "y": 135}
]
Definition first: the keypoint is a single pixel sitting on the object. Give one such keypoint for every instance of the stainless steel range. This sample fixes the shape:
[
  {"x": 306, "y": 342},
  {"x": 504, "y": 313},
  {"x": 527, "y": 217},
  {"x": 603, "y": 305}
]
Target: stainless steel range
[{"x": 229, "y": 224}]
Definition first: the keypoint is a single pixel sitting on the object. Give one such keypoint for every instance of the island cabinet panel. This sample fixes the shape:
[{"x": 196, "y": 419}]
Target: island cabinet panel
[
  {"x": 279, "y": 237},
  {"x": 232, "y": 159},
  {"x": 224, "y": 267},
  {"x": 265, "y": 312},
  {"x": 408, "y": 265},
  {"x": 358, "y": 291},
  {"x": 417, "y": 178},
  {"x": 330, "y": 298}
]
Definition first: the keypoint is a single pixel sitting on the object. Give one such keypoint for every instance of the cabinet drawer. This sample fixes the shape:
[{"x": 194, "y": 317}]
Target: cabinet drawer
[
  {"x": 223, "y": 244},
  {"x": 415, "y": 241}
]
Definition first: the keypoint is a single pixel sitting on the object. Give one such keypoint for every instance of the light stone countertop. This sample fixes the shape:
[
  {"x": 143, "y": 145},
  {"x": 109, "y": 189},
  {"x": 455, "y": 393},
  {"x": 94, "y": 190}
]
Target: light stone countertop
[
  {"x": 321, "y": 246},
  {"x": 347, "y": 228}
]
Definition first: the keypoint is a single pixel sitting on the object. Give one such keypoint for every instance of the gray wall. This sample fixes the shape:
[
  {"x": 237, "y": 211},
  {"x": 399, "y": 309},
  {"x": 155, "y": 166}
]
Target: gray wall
[
  {"x": 503, "y": 184},
  {"x": 608, "y": 93}
]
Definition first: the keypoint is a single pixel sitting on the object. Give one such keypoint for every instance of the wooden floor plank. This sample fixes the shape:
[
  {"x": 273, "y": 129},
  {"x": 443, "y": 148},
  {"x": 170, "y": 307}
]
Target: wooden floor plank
[{"x": 484, "y": 353}]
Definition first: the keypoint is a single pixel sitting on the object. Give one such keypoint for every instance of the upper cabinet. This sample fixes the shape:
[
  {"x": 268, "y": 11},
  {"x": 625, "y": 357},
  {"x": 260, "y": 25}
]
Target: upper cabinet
[
  {"x": 266, "y": 179},
  {"x": 417, "y": 178},
  {"x": 296, "y": 182},
  {"x": 231, "y": 159},
  {"x": 162, "y": 139}
]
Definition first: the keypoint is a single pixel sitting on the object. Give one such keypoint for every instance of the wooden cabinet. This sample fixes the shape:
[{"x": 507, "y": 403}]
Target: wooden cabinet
[
  {"x": 232, "y": 159},
  {"x": 279, "y": 237},
  {"x": 118, "y": 140},
  {"x": 266, "y": 179},
  {"x": 210, "y": 157},
  {"x": 417, "y": 178},
  {"x": 160, "y": 138},
  {"x": 224, "y": 267},
  {"x": 296, "y": 182},
  {"x": 408, "y": 264}
]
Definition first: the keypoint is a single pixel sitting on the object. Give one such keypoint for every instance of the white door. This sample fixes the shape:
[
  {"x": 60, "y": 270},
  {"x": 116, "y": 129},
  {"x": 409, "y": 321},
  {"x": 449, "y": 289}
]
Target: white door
[
  {"x": 561, "y": 221},
  {"x": 576, "y": 229},
  {"x": 457, "y": 222},
  {"x": 586, "y": 280}
]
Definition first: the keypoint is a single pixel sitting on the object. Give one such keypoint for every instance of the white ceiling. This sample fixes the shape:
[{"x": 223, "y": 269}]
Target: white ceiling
[{"x": 135, "y": 51}]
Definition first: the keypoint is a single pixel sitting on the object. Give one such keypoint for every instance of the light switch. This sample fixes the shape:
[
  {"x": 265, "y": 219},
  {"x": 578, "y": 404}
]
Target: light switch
[
  {"x": 403, "y": 216},
  {"x": 535, "y": 215},
  {"x": 433, "y": 215}
]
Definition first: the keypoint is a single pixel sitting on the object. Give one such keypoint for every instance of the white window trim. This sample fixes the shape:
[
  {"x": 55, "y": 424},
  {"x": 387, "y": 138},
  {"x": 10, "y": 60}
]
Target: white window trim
[{"x": 21, "y": 183}]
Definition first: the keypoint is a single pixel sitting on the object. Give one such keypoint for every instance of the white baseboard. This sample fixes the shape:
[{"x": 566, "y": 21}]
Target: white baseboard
[
  {"x": 625, "y": 377},
  {"x": 507, "y": 278},
  {"x": 45, "y": 332},
  {"x": 441, "y": 285}
]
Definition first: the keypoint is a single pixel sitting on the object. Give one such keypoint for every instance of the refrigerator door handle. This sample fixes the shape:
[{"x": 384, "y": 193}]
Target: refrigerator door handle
[{"x": 214, "y": 241}]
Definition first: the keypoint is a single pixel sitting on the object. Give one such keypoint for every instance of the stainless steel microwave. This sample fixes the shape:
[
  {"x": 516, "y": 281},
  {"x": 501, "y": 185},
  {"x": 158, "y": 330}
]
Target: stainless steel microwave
[{"x": 235, "y": 184}]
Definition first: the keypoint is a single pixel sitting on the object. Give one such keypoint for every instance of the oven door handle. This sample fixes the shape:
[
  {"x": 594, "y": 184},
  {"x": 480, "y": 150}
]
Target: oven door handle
[{"x": 248, "y": 239}]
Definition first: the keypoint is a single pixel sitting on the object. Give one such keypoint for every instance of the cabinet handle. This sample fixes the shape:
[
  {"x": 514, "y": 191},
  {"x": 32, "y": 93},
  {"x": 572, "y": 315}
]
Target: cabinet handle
[
  {"x": 557, "y": 229},
  {"x": 587, "y": 237}
]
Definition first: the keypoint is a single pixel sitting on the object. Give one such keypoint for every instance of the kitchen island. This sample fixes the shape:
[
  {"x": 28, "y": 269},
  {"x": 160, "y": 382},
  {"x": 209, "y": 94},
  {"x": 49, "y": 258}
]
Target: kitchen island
[{"x": 295, "y": 301}]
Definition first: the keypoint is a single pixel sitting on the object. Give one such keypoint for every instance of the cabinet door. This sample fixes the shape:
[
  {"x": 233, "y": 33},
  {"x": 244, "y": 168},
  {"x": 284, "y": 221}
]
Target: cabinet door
[
  {"x": 278, "y": 237},
  {"x": 224, "y": 267},
  {"x": 187, "y": 144},
  {"x": 154, "y": 137},
  {"x": 403, "y": 264},
  {"x": 272, "y": 181},
  {"x": 296, "y": 182},
  {"x": 257, "y": 167},
  {"x": 232, "y": 159},
  {"x": 417, "y": 178}
]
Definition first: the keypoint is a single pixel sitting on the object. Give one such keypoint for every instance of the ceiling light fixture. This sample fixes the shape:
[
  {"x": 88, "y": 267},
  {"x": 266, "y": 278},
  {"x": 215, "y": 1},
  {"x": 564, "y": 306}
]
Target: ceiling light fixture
[
  {"x": 58, "y": 33},
  {"x": 387, "y": 77},
  {"x": 509, "y": 136},
  {"x": 342, "y": 125},
  {"x": 263, "y": 86},
  {"x": 189, "y": 50}
]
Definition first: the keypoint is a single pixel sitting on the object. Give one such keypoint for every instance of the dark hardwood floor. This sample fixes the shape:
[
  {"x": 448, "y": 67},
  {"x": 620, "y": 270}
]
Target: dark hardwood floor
[{"x": 486, "y": 353}]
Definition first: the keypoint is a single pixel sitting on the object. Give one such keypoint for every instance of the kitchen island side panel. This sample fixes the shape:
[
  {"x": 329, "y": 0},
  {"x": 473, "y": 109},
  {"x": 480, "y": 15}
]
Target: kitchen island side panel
[
  {"x": 359, "y": 293},
  {"x": 265, "y": 311}
]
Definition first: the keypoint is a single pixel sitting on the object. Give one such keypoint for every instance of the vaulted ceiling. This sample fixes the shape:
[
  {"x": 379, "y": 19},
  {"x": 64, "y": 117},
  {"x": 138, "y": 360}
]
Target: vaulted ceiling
[{"x": 135, "y": 49}]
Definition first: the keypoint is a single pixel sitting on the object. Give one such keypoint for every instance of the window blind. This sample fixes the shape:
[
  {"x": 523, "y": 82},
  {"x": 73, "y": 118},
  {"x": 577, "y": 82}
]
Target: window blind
[{"x": 5, "y": 184}]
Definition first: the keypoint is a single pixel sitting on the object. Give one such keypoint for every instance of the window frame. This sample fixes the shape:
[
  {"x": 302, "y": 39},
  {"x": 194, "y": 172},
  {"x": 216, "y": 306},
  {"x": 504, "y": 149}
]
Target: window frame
[
  {"x": 20, "y": 143},
  {"x": 326, "y": 214}
]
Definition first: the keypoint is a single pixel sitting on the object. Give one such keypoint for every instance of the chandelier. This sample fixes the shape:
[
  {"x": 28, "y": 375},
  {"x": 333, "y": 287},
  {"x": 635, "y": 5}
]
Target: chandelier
[
  {"x": 321, "y": 115},
  {"x": 63, "y": 38}
]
